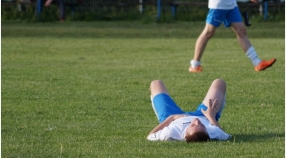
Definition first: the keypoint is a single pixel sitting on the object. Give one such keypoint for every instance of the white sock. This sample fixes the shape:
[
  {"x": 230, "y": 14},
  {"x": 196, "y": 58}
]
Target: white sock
[
  {"x": 195, "y": 63},
  {"x": 251, "y": 54}
]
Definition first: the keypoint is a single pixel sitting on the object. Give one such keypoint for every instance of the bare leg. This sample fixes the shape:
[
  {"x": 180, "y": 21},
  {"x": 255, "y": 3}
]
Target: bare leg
[
  {"x": 166, "y": 106},
  {"x": 157, "y": 87},
  {"x": 216, "y": 91},
  {"x": 202, "y": 41},
  {"x": 240, "y": 31}
]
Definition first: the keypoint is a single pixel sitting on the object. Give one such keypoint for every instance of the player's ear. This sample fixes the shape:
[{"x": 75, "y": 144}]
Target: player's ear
[{"x": 186, "y": 136}]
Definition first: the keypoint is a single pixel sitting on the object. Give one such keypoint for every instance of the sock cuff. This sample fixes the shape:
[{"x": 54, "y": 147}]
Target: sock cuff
[
  {"x": 195, "y": 63},
  {"x": 250, "y": 50},
  {"x": 251, "y": 54}
]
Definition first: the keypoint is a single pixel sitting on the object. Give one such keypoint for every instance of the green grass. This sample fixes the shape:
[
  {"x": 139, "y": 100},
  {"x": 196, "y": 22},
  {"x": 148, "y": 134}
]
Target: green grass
[{"x": 80, "y": 89}]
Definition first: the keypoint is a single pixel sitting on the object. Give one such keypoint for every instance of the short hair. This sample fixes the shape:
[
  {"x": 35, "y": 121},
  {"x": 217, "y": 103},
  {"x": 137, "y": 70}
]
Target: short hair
[{"x": 198, "y": 137}]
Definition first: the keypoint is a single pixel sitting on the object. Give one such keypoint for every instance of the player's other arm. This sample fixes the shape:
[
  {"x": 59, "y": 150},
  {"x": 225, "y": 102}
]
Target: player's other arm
[{"x": 166, "y": 123}]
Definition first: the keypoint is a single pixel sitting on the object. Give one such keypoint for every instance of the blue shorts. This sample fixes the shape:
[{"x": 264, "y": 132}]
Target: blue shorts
[
  {"x": 164, "y": 106},
  {"x": 216, "y": 16}
]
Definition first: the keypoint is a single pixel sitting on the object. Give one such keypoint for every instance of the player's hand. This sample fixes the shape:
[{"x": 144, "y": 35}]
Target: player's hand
[{"x": 213, "y": 108}]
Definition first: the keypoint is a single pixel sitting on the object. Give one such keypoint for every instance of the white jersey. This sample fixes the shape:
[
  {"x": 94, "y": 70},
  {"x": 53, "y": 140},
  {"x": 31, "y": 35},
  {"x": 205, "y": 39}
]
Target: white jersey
[
  {"x": 222, "y": 4},
  {"x": 177, "y": 129}
]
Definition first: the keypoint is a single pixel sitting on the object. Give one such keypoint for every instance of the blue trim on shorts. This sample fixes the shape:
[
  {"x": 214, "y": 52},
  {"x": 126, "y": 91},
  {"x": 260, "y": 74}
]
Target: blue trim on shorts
[
  {"x": 198, "y": 111},
  {"x": 165, "y": 106},
  {"x": 216, "y": 16}
]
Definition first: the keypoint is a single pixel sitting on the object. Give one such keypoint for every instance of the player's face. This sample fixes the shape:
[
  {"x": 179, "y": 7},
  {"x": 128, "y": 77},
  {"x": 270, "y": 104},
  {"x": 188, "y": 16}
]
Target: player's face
[{"x": 195, "y": 126}]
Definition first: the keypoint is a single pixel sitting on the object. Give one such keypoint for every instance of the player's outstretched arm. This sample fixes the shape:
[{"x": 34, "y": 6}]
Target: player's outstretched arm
[{"x": 166, "y": 123}]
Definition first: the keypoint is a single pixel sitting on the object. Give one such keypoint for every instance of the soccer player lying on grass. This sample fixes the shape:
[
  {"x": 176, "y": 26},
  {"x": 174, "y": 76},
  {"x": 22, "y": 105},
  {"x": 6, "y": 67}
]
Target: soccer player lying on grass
[{"x": 195, "y": 126}]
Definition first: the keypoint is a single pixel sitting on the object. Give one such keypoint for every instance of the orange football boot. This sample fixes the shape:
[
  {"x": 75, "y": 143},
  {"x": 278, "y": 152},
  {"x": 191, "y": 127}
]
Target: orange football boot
[
  {"x": 197, "y": 69},
  {"x": 264, "y": 64}
]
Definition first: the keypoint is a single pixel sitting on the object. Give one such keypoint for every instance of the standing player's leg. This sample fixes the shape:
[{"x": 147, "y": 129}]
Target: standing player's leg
[
  {"x": 234, "y": 19},
  {"x": 162, "y": 103},
  {"x": 200, "y": 46},
  {"x": 240, "y": 31},
  {"x": 213, "y": 20}
]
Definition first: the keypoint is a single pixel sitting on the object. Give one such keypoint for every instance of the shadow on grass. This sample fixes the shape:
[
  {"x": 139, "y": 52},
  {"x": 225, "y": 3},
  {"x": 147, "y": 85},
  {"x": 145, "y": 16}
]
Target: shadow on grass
[{"x": 256, "y": 137}]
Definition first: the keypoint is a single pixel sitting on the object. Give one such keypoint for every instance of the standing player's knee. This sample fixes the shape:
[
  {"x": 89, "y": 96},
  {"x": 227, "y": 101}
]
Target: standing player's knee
[
  {"x": 209, "y": 33},
  {"x": 241, "y": 32}
]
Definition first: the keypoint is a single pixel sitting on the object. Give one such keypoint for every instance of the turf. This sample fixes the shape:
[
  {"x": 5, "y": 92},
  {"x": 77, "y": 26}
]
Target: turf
[{"x": 79, "y": 89}]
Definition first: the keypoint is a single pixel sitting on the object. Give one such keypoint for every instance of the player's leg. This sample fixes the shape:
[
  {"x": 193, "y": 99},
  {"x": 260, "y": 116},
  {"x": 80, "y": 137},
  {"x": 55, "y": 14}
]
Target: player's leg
[
  {"x": 217, "y": 91},
  {"x": 240, "y": 31},
  {"x": 200, "y": 46},
  {"x": 157, "y": 87},
  {"x": 162, "y": 103},
  {"x": 202, "y": 41},
  {"x": 214, "y": 19},
  {"x": 234, "y": 19}
]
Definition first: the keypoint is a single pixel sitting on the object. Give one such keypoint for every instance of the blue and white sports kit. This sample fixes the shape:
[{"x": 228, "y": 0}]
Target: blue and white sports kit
[
  {"x": 164, "y": 106},
  {"x": 225, "y": 11},
  {"x": 217, "y": 16}
]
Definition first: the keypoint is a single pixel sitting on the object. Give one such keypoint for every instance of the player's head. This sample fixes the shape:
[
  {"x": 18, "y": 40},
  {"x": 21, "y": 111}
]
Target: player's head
[{"x": 196, "y": 132}]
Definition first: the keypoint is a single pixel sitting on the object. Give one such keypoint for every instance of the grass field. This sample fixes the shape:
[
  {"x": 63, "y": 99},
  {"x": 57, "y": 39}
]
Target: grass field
[{"x": 80, "y": 89}]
